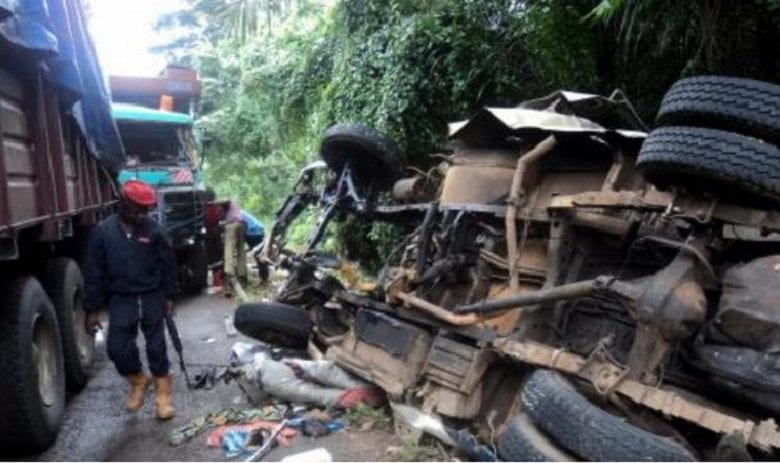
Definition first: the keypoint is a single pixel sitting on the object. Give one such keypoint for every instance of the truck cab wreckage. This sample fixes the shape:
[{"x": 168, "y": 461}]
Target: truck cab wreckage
[{"x": 569, "y": 285}]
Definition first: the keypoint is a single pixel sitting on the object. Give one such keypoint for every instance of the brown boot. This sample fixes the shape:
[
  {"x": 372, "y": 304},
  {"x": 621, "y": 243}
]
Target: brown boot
[
  {"x": 163, "y": 398},
  {"x": 135, "y": 398}
]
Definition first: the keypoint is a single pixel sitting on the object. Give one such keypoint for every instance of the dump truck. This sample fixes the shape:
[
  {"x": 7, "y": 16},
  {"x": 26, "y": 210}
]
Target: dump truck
[
  {"x": 567, "y": 283},
  {"x": 59, "y": 156},
  {"x": 154, "y": 116}
]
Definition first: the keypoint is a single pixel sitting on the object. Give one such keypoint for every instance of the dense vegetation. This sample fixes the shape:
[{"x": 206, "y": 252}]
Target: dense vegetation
[{"x": 277, "y": 72}]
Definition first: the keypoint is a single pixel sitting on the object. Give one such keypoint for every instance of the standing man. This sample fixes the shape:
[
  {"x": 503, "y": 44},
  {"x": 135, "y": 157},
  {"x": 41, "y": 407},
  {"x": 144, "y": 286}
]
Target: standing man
[{"x": 130, "y": 270}]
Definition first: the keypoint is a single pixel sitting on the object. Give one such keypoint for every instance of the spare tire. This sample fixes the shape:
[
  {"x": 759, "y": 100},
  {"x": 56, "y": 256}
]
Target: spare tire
[
  {"x": 587, "y": 430},
  {"x": 375, "y": 159},
  {"x": 521, "y": 440},
  {"x": 726, "y": 164},
  {"x": 274, "y": 323},
  {"x": 747, "y": 106}
]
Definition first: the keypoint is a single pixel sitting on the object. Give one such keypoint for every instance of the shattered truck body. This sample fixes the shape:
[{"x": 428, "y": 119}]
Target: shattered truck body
[{"x": 568, "y": 286}]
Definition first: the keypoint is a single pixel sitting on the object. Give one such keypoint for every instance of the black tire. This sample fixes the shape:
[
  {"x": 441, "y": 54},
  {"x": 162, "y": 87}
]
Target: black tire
[
  {"x": 274, "y": 323},
  {"x": 375, "y": 158},
  {"x": 198, "y": 262},
  {"x": 521, "y": 440},
  {"x": 726, "y": 164},
  {"x": 587, "y": 430},
  {"x": 33, "y": 403},
  {"x": 747, "y": 106},
  {"x": 64, "y": 284},
  {"x": 201, "y": 265}
]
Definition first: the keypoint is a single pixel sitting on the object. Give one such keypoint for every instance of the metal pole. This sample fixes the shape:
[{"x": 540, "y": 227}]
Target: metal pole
[
  {"x": 266, "y": 447},
  {"x": 568, "y": 291}
]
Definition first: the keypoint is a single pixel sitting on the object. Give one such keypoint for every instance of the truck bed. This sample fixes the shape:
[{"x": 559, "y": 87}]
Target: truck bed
[{"x": 48, "y": 179}]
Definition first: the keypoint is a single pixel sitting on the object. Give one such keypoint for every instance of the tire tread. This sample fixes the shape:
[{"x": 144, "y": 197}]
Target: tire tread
[
  {"x": 587, "y": 430},
  {"x": 745, "y": 106},
  {"x": 711, "y": 159}
]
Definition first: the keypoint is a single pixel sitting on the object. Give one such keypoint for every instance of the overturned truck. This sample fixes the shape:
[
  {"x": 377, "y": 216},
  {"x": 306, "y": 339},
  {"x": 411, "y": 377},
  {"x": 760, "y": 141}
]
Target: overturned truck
[{"x": 570, "y": 286}]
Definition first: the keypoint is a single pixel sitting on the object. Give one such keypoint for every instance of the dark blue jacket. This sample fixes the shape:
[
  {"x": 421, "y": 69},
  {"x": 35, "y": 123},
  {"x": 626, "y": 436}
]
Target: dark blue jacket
[{"x": 121, "y": 265}]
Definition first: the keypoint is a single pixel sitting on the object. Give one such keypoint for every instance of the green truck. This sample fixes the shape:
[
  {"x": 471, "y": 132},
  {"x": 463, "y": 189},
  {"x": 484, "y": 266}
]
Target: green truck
[{"x": 161, "y": 150}]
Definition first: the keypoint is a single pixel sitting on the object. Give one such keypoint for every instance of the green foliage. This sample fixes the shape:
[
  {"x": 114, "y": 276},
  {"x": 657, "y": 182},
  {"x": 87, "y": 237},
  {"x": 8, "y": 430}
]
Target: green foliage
[
  {"x": 361, "y": 416},
  {"x": 411, "y": 450}
]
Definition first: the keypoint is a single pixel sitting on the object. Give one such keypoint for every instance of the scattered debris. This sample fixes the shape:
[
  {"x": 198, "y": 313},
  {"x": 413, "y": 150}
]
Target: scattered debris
[
  {"x": 413, "y": 451},
  {"x": 269, "y": 443},
  {"x": 365, "y": 418},
  {"x": 235, "y": 443},
  {"x": 230, "y": 330},
  {"x": 222, "y": 417},
  {"x": 319, "y": 455},
  {"x": 217, "y": 436}
]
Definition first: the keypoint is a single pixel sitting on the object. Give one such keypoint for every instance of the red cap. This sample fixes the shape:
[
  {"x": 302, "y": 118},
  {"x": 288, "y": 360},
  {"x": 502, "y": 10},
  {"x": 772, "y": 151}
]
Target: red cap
[{"x": 139, "y": 193}]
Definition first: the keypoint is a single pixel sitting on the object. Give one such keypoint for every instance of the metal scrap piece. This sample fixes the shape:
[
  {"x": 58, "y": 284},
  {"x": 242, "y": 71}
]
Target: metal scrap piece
[{"x": 764, "y": 435}]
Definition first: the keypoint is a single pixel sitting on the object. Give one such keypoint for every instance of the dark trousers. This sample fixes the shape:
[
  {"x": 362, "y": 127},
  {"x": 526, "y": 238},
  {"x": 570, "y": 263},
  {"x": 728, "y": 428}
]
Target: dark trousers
[
  {"x": 126, "y": 314},
  {"x": 253, "y": 240}
]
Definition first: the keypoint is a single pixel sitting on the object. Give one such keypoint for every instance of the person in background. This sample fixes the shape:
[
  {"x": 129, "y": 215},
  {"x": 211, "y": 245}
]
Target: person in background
[
  {"x": 254, "y": 233},
  {"x": 234, "y": 259},
  {"x": 131, "y": 271}
]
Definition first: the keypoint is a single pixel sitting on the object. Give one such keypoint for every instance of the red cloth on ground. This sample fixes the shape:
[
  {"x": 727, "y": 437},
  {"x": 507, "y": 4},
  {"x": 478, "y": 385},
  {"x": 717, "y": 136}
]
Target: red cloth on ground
[
  {"x": 283, "y": 439},
  {"x": 371, "y": 396}
]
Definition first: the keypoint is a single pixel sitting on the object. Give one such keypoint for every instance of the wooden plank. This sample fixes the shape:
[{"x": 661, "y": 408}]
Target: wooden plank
[
  {"x": 45, "y": 193},
  {"x": 4, "y": 201},
  {"x": 56, "y": 152},
  {"x": 18, "y": 157},
  {"x": 80, "y": 199},
  {"x": 24, "y": 206},
  {"x": 15, "y": 119},
  {"x": 10, "y": 86}
]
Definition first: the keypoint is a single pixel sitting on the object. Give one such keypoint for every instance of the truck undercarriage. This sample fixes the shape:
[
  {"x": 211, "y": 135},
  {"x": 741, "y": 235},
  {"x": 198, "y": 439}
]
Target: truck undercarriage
[{"x": 566, "y": 287}]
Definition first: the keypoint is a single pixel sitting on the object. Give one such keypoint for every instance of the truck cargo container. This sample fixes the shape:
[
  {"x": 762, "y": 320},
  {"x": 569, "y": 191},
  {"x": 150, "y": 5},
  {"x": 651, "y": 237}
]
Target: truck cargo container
[{"x": 59, "y": 154}]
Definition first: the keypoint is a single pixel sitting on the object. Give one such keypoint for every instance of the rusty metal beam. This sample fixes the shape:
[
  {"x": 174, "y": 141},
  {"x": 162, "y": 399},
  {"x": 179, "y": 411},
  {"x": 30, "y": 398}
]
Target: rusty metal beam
[
  {"x": 531, "y": 298},
  {"x": 607, "y": 378},
  {"x": 658, "y": 201},
  {"x": 516, "y": 197},
  {"x": 439, "y": 312}
]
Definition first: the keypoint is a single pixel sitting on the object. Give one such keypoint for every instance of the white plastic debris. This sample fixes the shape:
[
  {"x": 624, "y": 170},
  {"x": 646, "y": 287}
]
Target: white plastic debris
[
  {"x": 428, "y": 423},
  {"x": 320, "y": 455},
  {"x": 230, "y": 329}
]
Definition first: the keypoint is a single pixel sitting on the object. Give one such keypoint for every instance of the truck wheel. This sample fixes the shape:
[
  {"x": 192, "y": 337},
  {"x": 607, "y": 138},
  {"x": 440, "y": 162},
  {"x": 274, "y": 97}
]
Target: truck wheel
[
  {"x": 200, "y": 267},
  {"x": 65, "y": 286},
  {"x": 374, "y": 157},
  {"x": 521, "y": 440},
  {"x": 32, "y": 376},
  {"x": 730, "y": 165},
  {"x": 275, "y": 323},
  {"x": 587, "y": 430},
  {"x": 747, "y": 106}
]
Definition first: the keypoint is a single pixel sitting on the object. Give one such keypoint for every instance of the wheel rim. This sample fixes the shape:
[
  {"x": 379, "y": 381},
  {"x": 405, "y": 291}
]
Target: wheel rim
[
  {"x": 85, "y": 342},
  {"x": 45, "y": 359}
]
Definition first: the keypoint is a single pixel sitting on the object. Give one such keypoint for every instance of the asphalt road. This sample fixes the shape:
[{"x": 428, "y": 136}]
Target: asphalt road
[{"x": 96, "y": 426}]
